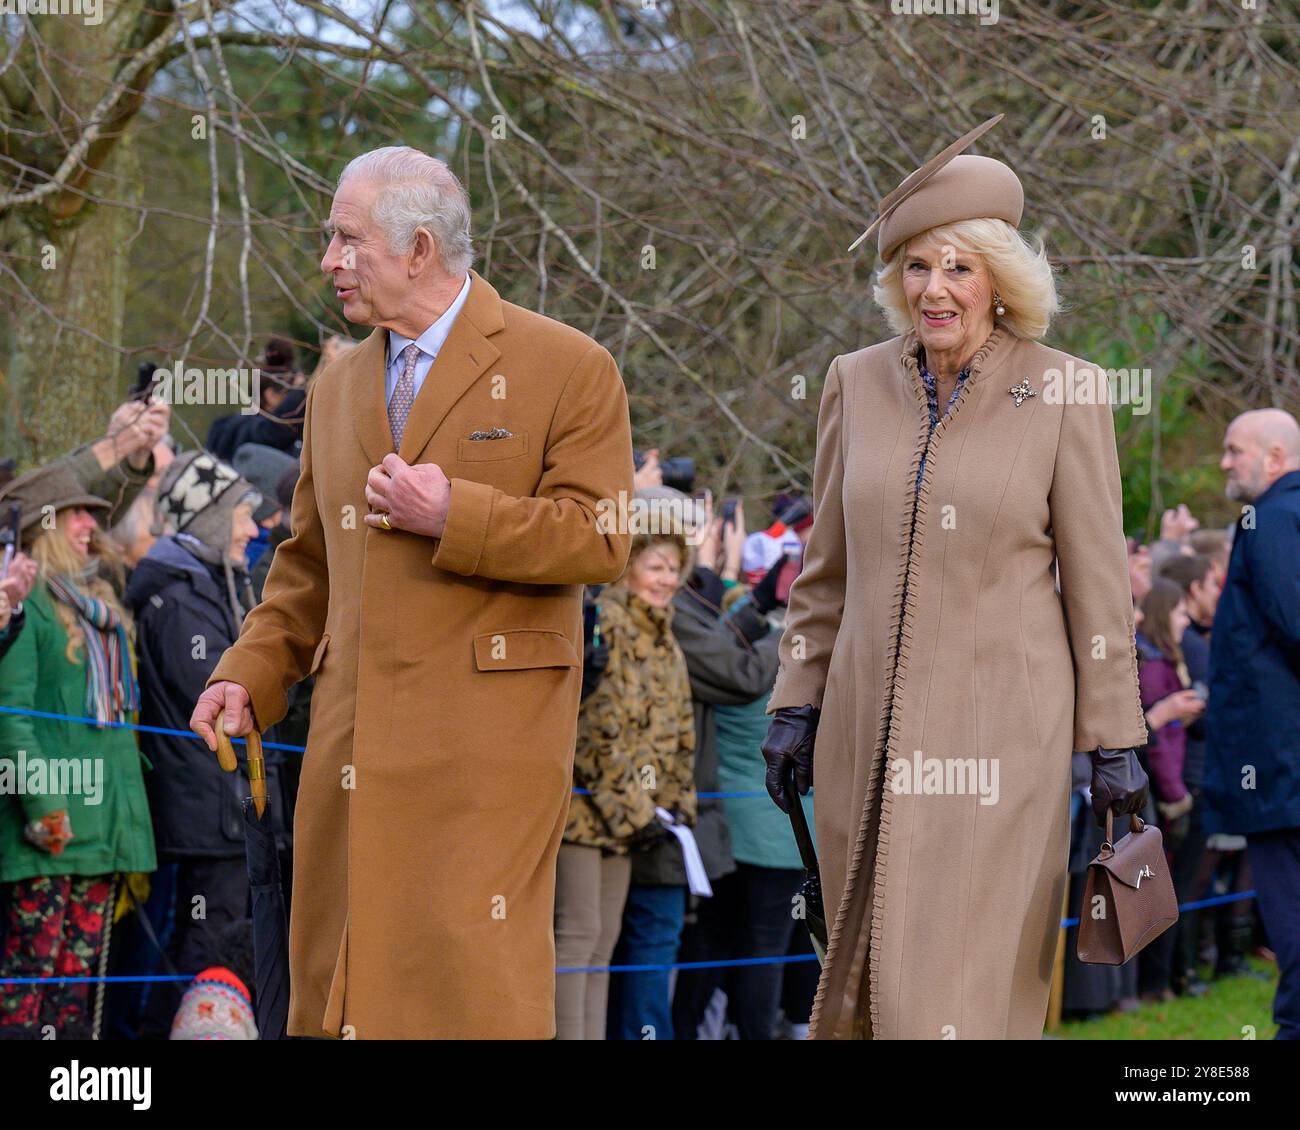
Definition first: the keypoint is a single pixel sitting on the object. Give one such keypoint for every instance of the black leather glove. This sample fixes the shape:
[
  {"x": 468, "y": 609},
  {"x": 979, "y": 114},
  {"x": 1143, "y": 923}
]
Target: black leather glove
[
  {"x": 1118, "y": 782},
  {"x": 789, "y": 746},
  {"x": 649, "y": 836},
  {"x": 763, "y": 594}
]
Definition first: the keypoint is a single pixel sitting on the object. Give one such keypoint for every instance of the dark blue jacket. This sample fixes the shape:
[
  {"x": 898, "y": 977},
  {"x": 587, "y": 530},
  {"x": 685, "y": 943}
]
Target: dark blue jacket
[
  {"x": 1196, "y": 654},
  {"x": 281, "y": 429},
  {"x": 183, "y": 624},
  {"x": 1253, "y": 717}
]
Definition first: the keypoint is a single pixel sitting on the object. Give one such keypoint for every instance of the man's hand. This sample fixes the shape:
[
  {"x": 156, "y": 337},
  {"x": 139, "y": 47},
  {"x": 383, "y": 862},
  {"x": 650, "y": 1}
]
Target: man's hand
[
  {"x": 709, "y": 553},
  {"x": 415, "y": 498},
  {"x": 1177, "y": 524},
  {"x": 229, "y": 699},
  {"x": 733, "y": 544},
  {"x": 135, "y": 427},
  {"x": 650, "y": 474}
]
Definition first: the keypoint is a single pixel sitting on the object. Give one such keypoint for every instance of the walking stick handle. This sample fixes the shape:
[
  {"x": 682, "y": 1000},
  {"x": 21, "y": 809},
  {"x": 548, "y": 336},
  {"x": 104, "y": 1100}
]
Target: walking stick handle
[
  {"x": 256, "y": 763},
  {"x": 225, "y": 750}
]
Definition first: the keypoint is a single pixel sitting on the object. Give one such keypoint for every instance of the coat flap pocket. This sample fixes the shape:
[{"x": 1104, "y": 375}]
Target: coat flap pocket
[
  {"x": 477, "y": 450},
  {"x": 320, "y": 653},
  {"x": 523, "y": 648}
]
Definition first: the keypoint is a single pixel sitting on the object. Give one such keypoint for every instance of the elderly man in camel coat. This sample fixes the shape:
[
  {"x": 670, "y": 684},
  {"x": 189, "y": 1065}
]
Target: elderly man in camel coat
[{"x": 455, "y": 469}]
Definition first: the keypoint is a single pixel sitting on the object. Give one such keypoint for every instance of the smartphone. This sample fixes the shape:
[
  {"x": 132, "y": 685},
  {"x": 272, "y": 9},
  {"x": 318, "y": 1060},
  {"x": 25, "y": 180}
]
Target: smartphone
[{"x": 9, "y": 527}]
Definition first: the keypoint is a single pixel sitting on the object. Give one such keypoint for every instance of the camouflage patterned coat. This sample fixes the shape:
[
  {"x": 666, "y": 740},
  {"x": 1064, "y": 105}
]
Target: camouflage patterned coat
[{"x": 636, "y": 730}]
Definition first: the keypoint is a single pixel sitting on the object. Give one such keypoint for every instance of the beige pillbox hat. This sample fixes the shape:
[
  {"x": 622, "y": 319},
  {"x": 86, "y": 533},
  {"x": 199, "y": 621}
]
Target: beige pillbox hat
[{"x": 949, "y": 187}]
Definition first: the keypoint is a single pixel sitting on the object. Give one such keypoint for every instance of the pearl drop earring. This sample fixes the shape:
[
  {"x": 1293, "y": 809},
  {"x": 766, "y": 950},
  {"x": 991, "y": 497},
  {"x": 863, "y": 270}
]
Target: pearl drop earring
[{"x": 998, "y": 308}]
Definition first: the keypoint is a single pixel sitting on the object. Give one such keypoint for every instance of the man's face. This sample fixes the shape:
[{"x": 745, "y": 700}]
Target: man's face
[
  {"x": 1243, "y": 463},
  {"x": 369, "y": 279}
]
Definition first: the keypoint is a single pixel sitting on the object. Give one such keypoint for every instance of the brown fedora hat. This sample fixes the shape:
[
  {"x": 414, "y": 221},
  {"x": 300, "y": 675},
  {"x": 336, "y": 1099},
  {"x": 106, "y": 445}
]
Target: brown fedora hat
[
  {"x": 54, "y": 486},
  {"x": 949, "y": 187}
]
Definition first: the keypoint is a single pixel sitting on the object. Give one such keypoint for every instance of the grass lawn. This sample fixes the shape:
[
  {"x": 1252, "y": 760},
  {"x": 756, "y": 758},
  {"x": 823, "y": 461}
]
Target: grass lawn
[{"x": 1230, "y": 1006}]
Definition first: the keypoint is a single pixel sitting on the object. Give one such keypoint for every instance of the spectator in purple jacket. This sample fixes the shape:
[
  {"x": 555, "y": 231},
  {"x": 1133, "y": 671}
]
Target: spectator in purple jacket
[
  {"x": 1170, "y": 707},
  {"x": 1163, "y": 676}
]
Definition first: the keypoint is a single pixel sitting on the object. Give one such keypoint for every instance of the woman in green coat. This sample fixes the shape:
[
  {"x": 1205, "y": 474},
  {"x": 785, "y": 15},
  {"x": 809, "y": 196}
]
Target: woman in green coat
[{"x": 73, "y": 813}]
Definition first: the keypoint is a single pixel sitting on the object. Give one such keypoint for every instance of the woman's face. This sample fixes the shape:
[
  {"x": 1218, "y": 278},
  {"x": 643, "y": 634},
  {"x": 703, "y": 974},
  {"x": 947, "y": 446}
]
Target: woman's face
[
  {"x": 78, "y": 529},
  {"x": 1178, "y": 620},
  {"x": 654, "y": 575},
  {"x": 949, "y": 295}
]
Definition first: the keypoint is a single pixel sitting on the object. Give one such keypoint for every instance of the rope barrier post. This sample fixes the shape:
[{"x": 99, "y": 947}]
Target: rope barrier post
[{"x": 1056, "y": 1001}]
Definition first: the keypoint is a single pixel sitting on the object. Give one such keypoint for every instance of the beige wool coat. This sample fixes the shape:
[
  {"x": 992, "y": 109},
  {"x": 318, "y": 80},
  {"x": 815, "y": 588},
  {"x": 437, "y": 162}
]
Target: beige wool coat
[
  {"x": 448, "y": 672},
  {"x": 934, "y": 624}
]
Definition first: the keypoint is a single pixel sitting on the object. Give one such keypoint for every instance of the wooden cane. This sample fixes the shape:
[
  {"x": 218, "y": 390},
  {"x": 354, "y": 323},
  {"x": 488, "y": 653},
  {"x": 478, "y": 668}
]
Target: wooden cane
[{"x": 256, "y": 764}]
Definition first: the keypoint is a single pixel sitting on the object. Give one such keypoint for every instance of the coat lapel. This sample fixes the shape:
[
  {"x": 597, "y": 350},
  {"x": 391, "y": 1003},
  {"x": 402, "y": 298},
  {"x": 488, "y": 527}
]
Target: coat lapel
[
  {"x": 366, "y": 394},
  {"x": 465, "y": 356}
]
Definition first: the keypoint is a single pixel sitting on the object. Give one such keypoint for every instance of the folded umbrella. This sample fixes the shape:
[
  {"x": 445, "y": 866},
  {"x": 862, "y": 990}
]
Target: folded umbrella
[
  {"x": 270, "y": 928},
  {"x": 814, "y": 910}
]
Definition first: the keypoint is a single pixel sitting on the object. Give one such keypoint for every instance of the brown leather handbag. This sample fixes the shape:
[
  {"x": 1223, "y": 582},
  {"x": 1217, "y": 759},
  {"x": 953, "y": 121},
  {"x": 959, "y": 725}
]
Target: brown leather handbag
[{"x": 1129, "y": 899}]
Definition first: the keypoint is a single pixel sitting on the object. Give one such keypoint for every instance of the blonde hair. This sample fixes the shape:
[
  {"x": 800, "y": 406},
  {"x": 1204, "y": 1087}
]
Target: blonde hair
[
  {"x": 55, "y": 557},
  {"x": 1022, "y": 276}
]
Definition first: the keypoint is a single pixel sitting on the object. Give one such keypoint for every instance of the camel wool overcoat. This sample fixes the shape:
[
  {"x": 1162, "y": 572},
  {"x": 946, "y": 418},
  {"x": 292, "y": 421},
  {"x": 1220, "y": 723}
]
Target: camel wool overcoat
[
  {"x": 954, "y": 680},
  {"x": 438, "y": 769}
]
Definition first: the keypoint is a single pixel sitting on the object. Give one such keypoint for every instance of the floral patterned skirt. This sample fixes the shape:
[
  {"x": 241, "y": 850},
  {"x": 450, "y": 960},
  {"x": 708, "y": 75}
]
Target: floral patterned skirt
[{"x": 55, "y": 928}]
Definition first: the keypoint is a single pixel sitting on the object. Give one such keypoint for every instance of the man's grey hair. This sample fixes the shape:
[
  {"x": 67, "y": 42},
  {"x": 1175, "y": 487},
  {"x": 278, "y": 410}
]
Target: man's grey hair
[{"x": 417, "y": 191}]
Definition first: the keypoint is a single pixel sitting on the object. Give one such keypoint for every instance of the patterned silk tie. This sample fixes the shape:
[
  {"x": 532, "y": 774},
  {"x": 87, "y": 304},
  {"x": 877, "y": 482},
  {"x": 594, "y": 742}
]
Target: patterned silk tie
[{"x": 399, "y": 408}]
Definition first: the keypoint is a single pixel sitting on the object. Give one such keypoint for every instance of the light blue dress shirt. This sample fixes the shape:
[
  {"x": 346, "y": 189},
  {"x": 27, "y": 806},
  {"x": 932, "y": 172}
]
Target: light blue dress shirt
[{"x": 429, "y": 342}]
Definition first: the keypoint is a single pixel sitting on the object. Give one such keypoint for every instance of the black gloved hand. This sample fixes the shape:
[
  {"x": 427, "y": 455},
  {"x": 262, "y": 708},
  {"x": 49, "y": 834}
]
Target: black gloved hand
[
  {"x": 648, "y": 836},
  {"x": 763, "y": 594},
  {"x": 1118, "y": 782},
  {"x": 789, "y": 745}
]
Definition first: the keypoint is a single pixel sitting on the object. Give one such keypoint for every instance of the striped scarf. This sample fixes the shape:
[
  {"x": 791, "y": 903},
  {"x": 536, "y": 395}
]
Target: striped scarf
[{"x": 111, "y": 689}]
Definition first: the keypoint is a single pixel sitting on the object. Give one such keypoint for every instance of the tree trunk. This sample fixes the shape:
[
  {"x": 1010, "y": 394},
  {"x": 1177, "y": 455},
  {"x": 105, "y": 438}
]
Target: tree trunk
[{"x": 70, "y": 255}]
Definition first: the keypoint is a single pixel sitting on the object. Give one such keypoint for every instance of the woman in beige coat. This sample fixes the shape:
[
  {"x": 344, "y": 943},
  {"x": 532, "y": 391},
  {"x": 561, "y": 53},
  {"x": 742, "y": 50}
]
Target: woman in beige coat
[{"x": 962, "y": 623}]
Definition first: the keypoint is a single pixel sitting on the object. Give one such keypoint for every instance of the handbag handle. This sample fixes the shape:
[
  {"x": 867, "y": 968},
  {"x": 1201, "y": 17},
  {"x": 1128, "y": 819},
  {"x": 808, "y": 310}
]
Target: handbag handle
[{"x": 1134, "y": 822}]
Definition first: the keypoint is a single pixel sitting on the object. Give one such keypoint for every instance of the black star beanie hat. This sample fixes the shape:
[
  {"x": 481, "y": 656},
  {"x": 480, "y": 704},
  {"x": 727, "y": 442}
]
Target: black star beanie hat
[{"x": 197, "y": 495}]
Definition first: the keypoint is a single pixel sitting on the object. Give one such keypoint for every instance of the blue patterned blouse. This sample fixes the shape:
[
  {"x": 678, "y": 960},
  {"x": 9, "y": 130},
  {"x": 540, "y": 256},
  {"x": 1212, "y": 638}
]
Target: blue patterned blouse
[{"x": 932, "y": 398}]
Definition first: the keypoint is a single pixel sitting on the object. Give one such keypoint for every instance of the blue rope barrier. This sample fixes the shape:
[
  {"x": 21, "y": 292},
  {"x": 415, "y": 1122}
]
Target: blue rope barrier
[
  {"x": 189, "y": 734},
  {"x": 731, "y": 963},
  {"x": 141, "y": 979},
  {"x": 1216, "y": 900},
  {"x": 165, "y": 731},
  {"x": 1066, "y": 923}
]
